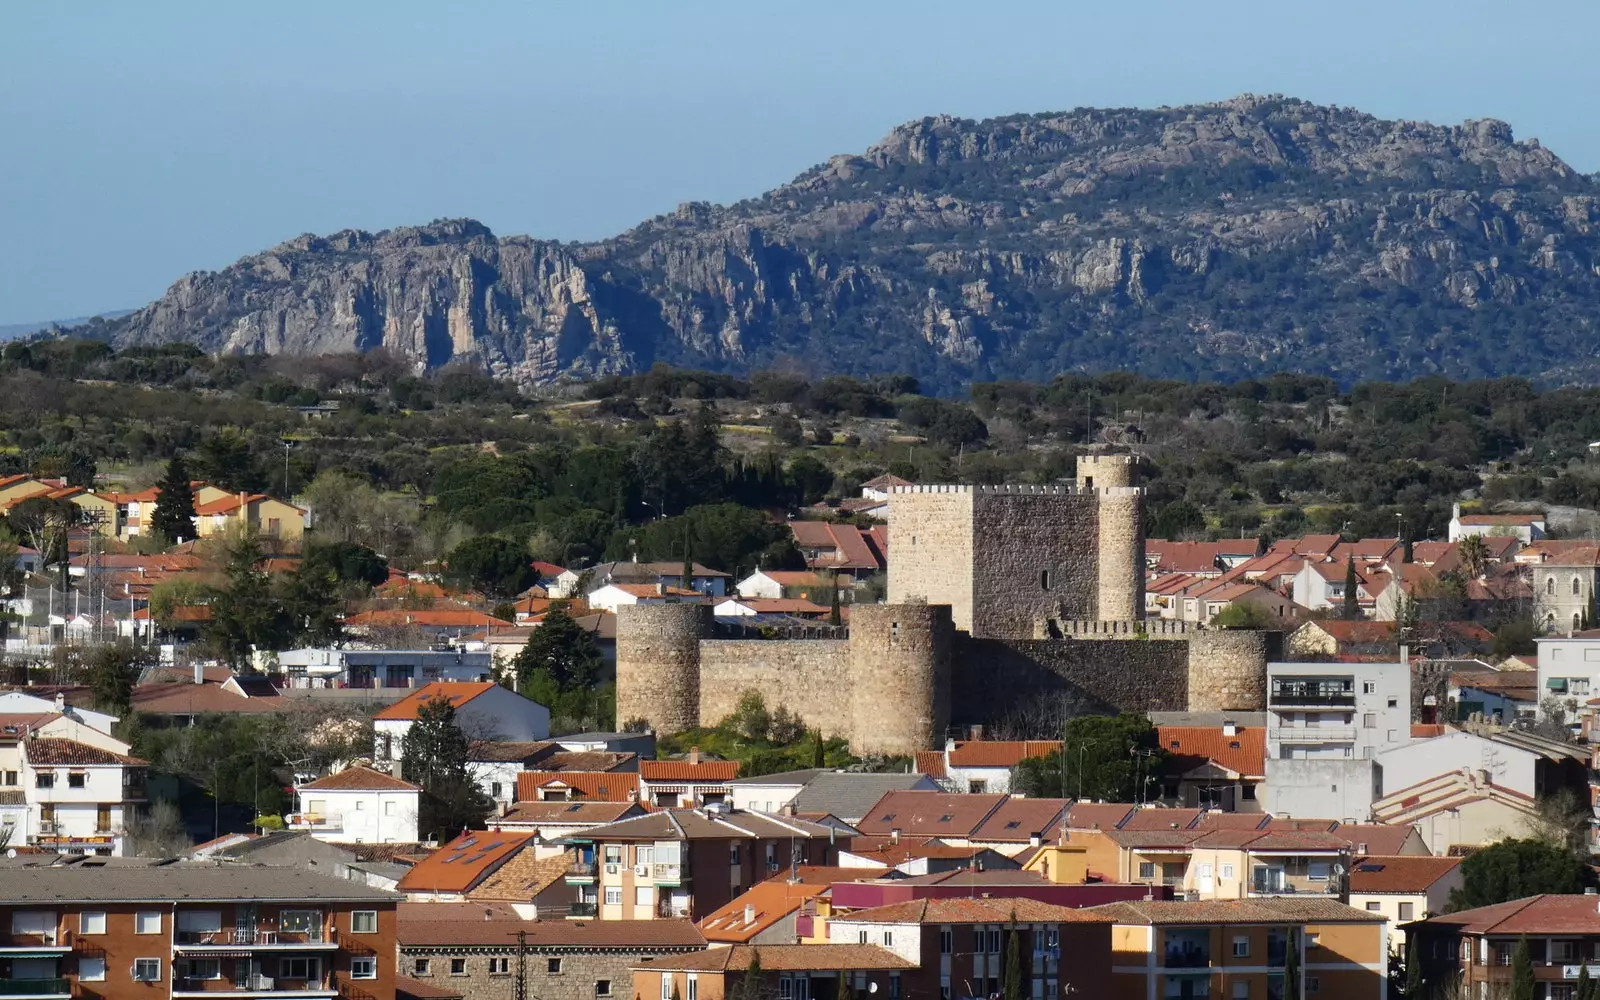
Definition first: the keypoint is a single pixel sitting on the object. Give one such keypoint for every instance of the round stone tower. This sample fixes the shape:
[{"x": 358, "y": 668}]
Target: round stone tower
[
  {"x": 658, "y": 664},
  {"x": 1121, "y": 570},
  {"x": 1100, "y": 471},
  {"x": 1228, "y": 669},
  {"x": 900, "y": 676}
]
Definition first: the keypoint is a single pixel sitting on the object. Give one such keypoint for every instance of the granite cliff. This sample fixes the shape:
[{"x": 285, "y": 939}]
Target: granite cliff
[{"x": 1222, "y": 240}]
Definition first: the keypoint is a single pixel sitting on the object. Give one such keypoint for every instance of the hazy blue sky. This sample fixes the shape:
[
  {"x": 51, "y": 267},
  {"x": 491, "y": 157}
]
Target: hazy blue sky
[{"x": 139, "y": 141}]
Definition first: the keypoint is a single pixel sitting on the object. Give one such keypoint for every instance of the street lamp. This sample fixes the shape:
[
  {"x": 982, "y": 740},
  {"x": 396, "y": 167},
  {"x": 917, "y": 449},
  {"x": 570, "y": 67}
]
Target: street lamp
[{"x": 1082, "y": 744}]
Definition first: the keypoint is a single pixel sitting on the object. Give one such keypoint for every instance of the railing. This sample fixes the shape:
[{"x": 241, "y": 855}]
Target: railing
[
  {"x": 40, "y": 939},
  {"x": 1315, "y": 734},
  {"x": 1289, "y": 697},
  {"x": 252, "y": 936},
  {"x": 34, "y": 987},
  {"x": 667, "y": 873},
  {"x": 580, "y": 869},
  {"x": 667, "y": 908},
  {"x": 583, "y": 909},
  {"x": 350, "y": 992},
  {"x": 1189, "y": 959}
]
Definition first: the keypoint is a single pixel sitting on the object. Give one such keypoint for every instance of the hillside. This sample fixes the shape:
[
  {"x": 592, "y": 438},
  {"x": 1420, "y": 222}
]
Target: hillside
[{"x": 1217, "y": 241}]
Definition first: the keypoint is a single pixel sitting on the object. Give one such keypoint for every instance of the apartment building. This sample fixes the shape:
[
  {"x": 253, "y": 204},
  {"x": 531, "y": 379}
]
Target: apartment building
[
  {"x": 78, "y": 796},
  {"x": 788, "y": 972},
  {"x": 1475, "y": 947},
  {"x": 687, "y": 862},
  {"x": 358, "y": 805},
  {"x": 1236, "y": 949},
  {"x": 125, "y": 930},
  {"x": 1569, "y": 671},
  {"x": 1326, "y": 725},
  {"x": 1230, "y": 863}
]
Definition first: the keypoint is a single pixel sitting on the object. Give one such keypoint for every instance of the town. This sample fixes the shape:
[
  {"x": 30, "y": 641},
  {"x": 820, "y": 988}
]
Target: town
[{"x": 991, "y": 741}]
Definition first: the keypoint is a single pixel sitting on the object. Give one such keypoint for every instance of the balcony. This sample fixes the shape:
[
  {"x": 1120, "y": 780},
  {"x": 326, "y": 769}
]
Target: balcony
[
  {"x": 35, "y": 989},
  {"x": 1315, "y": 734},
  {"x": 667, "y": 909},
  {"x": 1299, "y": 698},
  {"x": 234, "y": 938},
  {"x": 580, "y": 873},
  {"x": 45, "y": 945},
  {"x": 667, "y": 874},
  {"x": 583, "y": 909},
  {"x": 253, "y": 986},
  {"x": 1186, "y": 958}
]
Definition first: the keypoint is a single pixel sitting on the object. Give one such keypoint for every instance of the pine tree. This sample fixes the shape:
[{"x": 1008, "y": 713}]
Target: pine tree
[
  {"x": 434, "y": 754},
  {"x": 245, "y": 615},
  {"x": 1413, "y": 968},
  {"x": 1352, "y": 607},
  {"x": 173, "y": 518},
  {"x": 1522, "y": 983}
]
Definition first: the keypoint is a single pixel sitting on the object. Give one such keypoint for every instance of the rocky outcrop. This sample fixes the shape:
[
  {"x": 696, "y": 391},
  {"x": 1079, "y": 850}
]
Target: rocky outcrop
[{"x": 1225, "y": 239}]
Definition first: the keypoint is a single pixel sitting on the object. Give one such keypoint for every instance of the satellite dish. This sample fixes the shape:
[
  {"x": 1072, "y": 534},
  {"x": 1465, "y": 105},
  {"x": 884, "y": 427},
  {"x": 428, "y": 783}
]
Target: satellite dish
[
  {"x": 1338, "y": 869},
  {"x": 872, "y": 987}
]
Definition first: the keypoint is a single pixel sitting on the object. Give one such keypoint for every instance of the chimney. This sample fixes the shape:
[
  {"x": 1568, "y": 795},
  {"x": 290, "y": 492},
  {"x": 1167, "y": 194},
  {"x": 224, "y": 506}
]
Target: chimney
[
  {"x": 1230, "y": 728},
  {"x": 199, "y": 672},
  {"x": 894, "y": 835},
  {"x": 61, "y": 702},
  {"x": 1405, "y": 656},
  {"x": 694, "y": 755},
  {"x": 749, "y": 914}
]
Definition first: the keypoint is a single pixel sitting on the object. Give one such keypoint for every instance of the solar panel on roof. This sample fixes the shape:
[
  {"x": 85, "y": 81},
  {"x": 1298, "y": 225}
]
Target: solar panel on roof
[
  {"x": 498, "y": 843},
  {"x": 574, "y": 807},
  {"x": 454, "y": 857},
  {"x": 1369, "y": 868}
]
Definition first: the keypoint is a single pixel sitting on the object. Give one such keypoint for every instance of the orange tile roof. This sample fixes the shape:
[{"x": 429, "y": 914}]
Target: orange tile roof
[
  {"x": 45, "y": 751},
  {"x": 458, "y": 693},
  {"x": 1426, "y": 730},
  {"x": 1405, "y": 873},
  {"x": 464, "y": 862},
  {"x": 1546, "y": 914},
  {"x": 767, "y": 902},
  {"x": 956, "y": 910},
  {"x": 929, "y": 813},
  {"x": 426, "y": 618},
  {"x": 359, "y": 779},
  {"x": 931, "y": 763},
  {"x": 682, "y": 770},
  {"x": 599, "y": 786},
  {"x": 1098, "y": 815},
  {"x": 829, "y": 958},
  {"x": 1244, "y": 753},
  {"x": 999, "y": 753}
]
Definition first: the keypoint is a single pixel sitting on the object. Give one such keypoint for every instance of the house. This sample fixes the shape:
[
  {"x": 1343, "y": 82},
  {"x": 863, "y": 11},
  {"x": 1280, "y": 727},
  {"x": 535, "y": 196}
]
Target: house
[
  {"x": 806, "y": 585},
  {"x": 484, "y": 711},
  {"x": 846, "y": 795},
  {"x": 984, "y": 766},
  {"x": 1203, "y": 600},
  {"x": 1204, "y": 559},
  {"x": 686, "y": 783},
  {"x": 1475, "y": 947},
  {"x": 151, "y": 927},
  {"x": 478, "y": 950},
  {"x": 440, "y": 624},
  {"x": 554, "y": 819},
  {"x": 611, "y": 596},
  {"x": 788, "y": 971},
  {"x": 374, "y": 668},
  {"x": 684, "y": 862},
  {"x": 850, "y": 553},
  {"x": 703, "y": 580},
  {"x": 578, "y": 786},
  {"x": 957, "y": 947},
  {"x": 1526, "y": 528},
  {"x": 79, "y": 796},
  {"x": 1332, "y": 638},
  {"x": 1225, "y": 863},
  {"x": 749, "y": 607},
  {"x": 879, "y": 487},
  {"x": 923, "y": 857},
  {"x": 498, "y": 763},
  {"x": 1504, "y": 696},
  {"x": 257, "y": 512},
  {"x": 460, "y": 866},
  {"x": 1564, "y": 589},
  {"x": 24, "y": 703},
  {"x": 1319, "y": 585},
  {"x": 1236, "y": 948},
  {"x": 357, "y": 806},
  {"x": 1403, "y": 889},
  {"x": 766, "y": 913},
  {"x": 1020, "y": 825},
  {"x": 1214, "y": 767},
  {"x": 1326, "y": 725},
  {"x": 1569, "y": 668},
  {"x": 950, "y": 816}
]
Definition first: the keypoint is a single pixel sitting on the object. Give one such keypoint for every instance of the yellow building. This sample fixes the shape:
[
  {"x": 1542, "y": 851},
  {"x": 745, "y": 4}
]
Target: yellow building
[
  {"x": 264, "y": 515},
  {"x": 1236, "y": 949},
  {"x": 1232, "y": 864}
]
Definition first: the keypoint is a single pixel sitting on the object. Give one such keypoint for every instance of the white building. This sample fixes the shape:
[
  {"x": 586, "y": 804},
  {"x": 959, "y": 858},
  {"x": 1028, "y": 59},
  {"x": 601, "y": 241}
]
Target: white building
[
  {"x": 1569, "y": 669},
  {"x": 1326, "y": 725},
  {"x": 483, "y": 711},
  {"x": 367, "y": 668},
  {"x": 1403, "y": 889},
  {"x": 22, "y": 703},
  {"x": 621, "y": 595},
  {"x": 1526, "y": 528},
  {"x": 358, "y": 806},
  {"x": 78, "y": 796}
]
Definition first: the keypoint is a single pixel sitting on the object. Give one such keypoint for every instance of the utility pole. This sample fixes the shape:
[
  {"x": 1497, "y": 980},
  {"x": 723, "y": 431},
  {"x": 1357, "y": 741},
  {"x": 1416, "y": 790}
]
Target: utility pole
[{"x": 522, "y": 966}]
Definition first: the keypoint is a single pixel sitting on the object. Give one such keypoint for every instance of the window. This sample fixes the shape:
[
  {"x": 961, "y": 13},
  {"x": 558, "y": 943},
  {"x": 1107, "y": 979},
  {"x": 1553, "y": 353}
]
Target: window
[
  {"x": 203, "y": 968},
  {"x": 1147, "y": 869},
  {"x": 1241, "y": 947},
  {"x": 421, "y": 967},
  {"x": 666, "y": 986},
  {"x": 44, "y": 779},
  {"x": 994, "y": 942},
  {"x": 1313, "y": 984},
  {"x": 147, "y": 922},
  {"x": 1373, "y": 907},
  {"x": 1044, "y": 579},
  {"x": 1550, "y": 586},
  {"x": 1369, "y": 687},
  {"x": 92, "y": 969},
  {"x": 458, "y": 966},
  {"x": 977, "y": 787},
  {"x": 304, "y": 969},
  {"x": 602, "y": 987},
  {"x": 360, "y": 806},
  {"x": 1369, "y": 720},
  {"x": 552, "y": 966},
  {"x": 76, "y": 779},
  {"x": 1241, "y": 990},
  {"x": 499, "y": 966},
  {"x": 388, "y": 808},
  {"x": 1227, "y": 871},
  {"x": 1408, "y": 911},
  {"x": 193, "y": 925},
  {"x": 693, "y": 990},
  {"x": 92, "y": 922},
  {"x": 733, "y": 854},
  {"x": 364, "y": 922},
  {"x": 888, "y": 939},
  {"x": 614, "y": 854},
  {"x": 147, "y": 970},
  {"x": 785, "y": 988},
  {"x": 861, "y": 937},
  {"x": 643, "y": 895},
  {"x": 1576, "y": 589},
  {"x": 946, "y": 941},
  {"x": 366, "y": 967},
  {"x": 613, "y": 895},
  {"x": 300, "y": 921},
  {"x": 11, "y": 778}
]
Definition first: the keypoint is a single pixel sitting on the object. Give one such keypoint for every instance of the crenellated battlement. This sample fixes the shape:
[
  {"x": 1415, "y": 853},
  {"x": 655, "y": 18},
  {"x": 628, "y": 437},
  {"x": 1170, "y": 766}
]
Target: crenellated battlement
[
  {"x": 1150, "y": 628},
  {"x": 1022, "y": 489}
]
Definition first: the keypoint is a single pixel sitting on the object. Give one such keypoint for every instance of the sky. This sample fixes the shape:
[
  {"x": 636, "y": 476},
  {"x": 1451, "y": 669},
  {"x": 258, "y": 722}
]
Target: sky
[{"x": 141, "y": 141}]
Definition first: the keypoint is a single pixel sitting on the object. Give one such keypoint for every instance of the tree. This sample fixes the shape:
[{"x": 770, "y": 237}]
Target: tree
[
  {"x": 348, "y": 562},
  {"x": 173, "y": 517},
  {"x": 1512, "y": 869},
  {"x": 1413, "y": 987},
  {"x": 1561, "y": 819},
  {"x": 750, "y": 989},
  {"x": 1177, "y": 520},
  {"x": 562, "y": 647},
  {"x": 835, "y": 613},
  {"x": 434, "y": 755},
  {"x": 818, "y": 749},
  {"x": 43, "y": 523},
  {"x": 1472, "y": 554},
  {"x": 1522, "y": 982},
  {"x": 1291, "y": 966},
  {"x": 157, "y": 832},
  {"x": 1585, "y": 990},
  {"x": 245, "y": 616},
  {"x": 1110, "y": 770},
  {"x": 750, "y": 718},
  {"x": 1012, "y": 989},
  {"x": 311, "y": 603},
  {"x": 494, "y": 565},
  {"x": 1244, "y": 615},
  {"x": 1352, "y": 604},
  {"x": 112, "y": 670}
]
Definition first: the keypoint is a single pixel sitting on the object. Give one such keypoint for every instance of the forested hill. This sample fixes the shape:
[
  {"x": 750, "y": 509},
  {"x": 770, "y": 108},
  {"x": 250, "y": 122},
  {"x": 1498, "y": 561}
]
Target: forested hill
[{"x": 1212, "y": 241}]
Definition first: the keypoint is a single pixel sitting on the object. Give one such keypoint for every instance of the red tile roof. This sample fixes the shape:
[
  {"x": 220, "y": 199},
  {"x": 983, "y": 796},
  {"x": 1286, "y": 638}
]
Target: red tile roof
[
  {"x": 1098, "y": 815},
  {"x": 457, "y": 692},
  {"x": 45, "y": 751},
  {"x": 764, "y": 904},
  {"x": 1405, "y": 873},
  {"x": 999, "y": 753},
  {"x": 425, "y": 618},
  {"x": 929, "y": 814},
  {"x": 1244, "y": 753},
  {"x": 1018, "y": 820},
  {"x": 495, "y": 924},
  {"x": 829, "y": 958},
  {"x": 464, "y": 862},
  {"x": 599, "y": 786},
  {"x": 683, "y": 771},
  {"x": 931, "y": 763},
  {"x": 1546, "y": 914},
  {"x": 359, "y": 779},
  {"x": 956, "y": 910}
]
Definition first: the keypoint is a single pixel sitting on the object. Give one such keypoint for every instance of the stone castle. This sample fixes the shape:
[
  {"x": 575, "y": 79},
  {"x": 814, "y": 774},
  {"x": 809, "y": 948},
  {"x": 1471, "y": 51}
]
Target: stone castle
[{"x": 998, "y": 596}]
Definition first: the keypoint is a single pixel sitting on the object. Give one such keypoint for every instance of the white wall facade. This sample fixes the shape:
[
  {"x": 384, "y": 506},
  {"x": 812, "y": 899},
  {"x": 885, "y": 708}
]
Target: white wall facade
[
  {"x": 763, "y": 798},
  {"x": 88, "y": 817},
  {"x": 1507, "y": 766},
  {"x": 1569, "y": 668},
  {"x": 364, "y": 816}
]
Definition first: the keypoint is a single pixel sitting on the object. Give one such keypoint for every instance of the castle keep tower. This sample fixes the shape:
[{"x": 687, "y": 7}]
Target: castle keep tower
[
  {"x": 1005, "y": 557},
  {"x": 658, "y": 664},
  {"x": 900, "y": 676}
]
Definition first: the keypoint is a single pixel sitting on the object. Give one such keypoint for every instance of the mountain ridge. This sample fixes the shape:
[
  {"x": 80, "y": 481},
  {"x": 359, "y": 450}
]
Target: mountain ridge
[{"x": 1219, "y": 240}]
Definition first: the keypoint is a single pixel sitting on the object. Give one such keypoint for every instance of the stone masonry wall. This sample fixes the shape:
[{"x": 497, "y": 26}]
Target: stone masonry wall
[
  {"x": 581, "y": 970},
  {"x": 1121, "y": 570},
  {"x": 1022, "y": 536},
  {"x": 900, "y": 669},
  {"x": 658, "y": 664},
  {"x": 1227, "y": 669},
  {"x": 993, "y": 677},
  {"x": 932, "y": 532},
  {"x": 810, "y": 676}
]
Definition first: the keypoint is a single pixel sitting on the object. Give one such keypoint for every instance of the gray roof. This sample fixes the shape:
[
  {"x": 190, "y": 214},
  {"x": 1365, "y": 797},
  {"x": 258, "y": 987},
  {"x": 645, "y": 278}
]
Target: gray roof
[
  {"x": 1207, "y": 718},
  {"x": 800, "y": 777},
  {"x": 699, "y": 824},
  {"x": 851, "y": 796},
  {"x": 181, "y": 882}
]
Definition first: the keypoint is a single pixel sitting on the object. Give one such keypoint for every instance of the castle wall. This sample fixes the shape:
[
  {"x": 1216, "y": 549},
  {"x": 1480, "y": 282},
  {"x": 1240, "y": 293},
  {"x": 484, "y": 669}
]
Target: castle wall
[
  {"x": 996, "y": 677},
  {"x": 1228, "y": 669},
  {"x": 932, "y": 531},
  {"x": 809, "y": 676},
  {"x": 1037, "y": 556},
  {"x": 1121, "y": 566},
  {"x": 900, "y": 671},
  {"x": 658, "y": 664}
]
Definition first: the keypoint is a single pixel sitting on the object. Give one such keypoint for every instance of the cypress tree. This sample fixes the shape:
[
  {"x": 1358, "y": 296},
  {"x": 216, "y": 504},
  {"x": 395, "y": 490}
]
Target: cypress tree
[
  {"x": 1413, "y": 968},
  {"x": 1291, "y": 966},
  {"x": 1585, "y": 990},
  {"x": 1522, "y": 983},
  {"x": 1012, "y": 989},
  {"x": 1352, "y": 607},
  {"x": 835, "y": 615},
  {"x": 818, "y": 750},
  {"x": 173, "y": 518}
]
